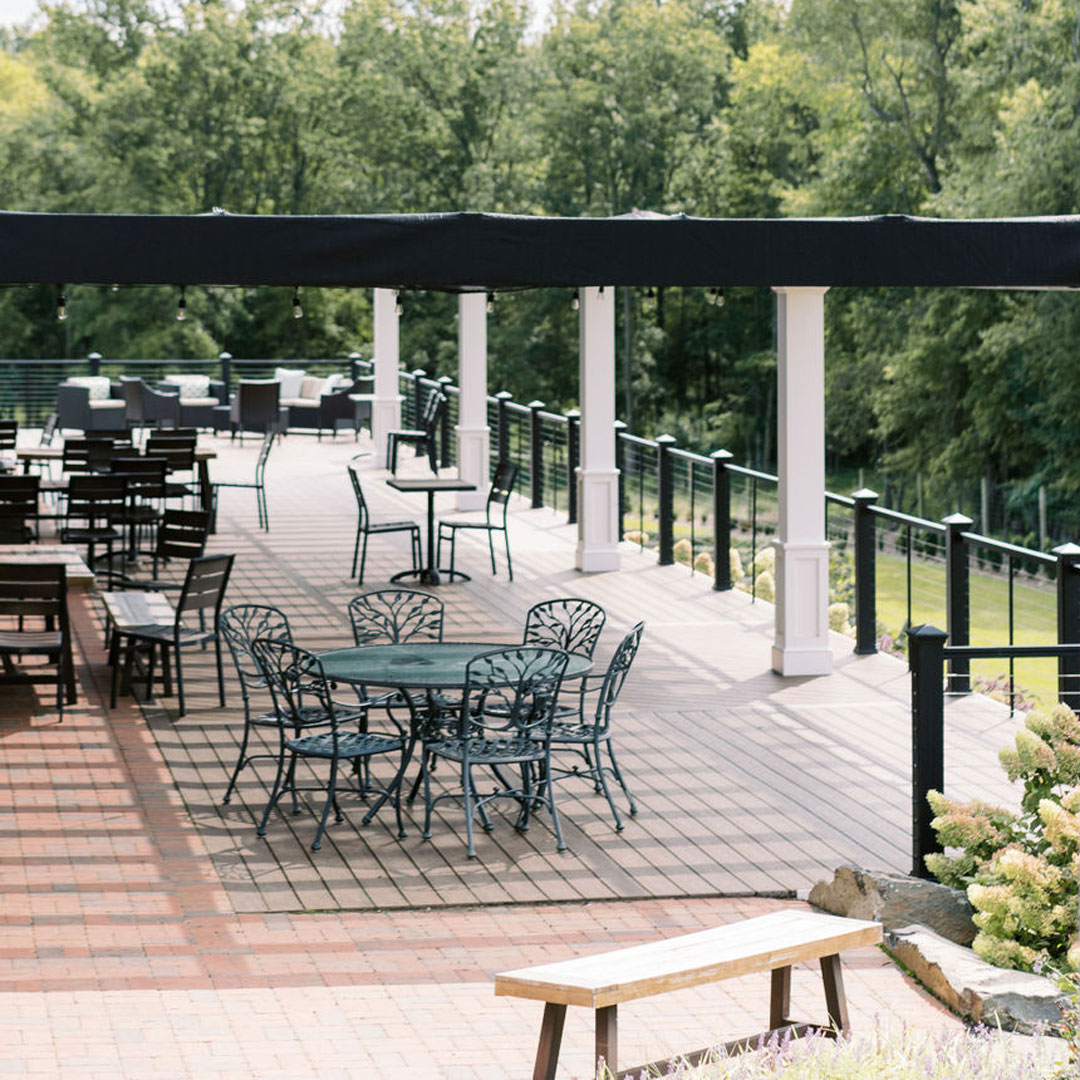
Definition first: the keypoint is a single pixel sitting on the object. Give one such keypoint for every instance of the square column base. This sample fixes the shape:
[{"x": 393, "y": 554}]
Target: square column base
[
  {"x": 801, "y": 646},
  {"x": 598, "y": 511},
  {"x": 474, "y": 457}
]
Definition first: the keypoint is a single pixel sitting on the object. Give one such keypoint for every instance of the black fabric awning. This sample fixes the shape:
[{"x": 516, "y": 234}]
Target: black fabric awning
[{"x": 466, "y": 251}]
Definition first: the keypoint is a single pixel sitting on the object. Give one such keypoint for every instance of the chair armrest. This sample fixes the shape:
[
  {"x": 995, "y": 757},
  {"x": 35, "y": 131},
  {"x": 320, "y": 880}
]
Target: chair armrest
[{"x": 219, "y": 390}]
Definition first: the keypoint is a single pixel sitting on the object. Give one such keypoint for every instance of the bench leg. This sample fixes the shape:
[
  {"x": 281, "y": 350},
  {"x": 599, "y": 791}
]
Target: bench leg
[
  {"x": 835, "y": 1001},
  {"x": 607, "y": 1038},
  {"x": 780, "y": 999},
  {"x": 547, "y": 1053}
]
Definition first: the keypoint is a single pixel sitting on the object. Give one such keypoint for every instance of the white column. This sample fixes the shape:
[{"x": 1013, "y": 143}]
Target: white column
[
  {"x": 801, "y": 645},
  {"x": 386, "y": 408},
  {"x": 473, "y": 433},
  {"x": 597, "y": 477}
]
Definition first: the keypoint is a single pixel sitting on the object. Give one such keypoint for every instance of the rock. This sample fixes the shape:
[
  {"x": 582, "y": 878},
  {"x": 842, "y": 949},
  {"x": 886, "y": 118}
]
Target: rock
[
  {"x": 896, "y": 900},
  {"x": 1015, "y": 1000}
]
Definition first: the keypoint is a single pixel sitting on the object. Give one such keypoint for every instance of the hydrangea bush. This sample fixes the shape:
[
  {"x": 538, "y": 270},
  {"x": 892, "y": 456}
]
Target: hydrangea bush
[{"x": 1020, "y": 870}]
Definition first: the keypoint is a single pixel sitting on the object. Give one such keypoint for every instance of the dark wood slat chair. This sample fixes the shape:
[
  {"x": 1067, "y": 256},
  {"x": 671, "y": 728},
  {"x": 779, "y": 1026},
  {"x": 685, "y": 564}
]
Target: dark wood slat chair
[
  {"x": 201, "y": 595},
  {"x": 32, "y": 593},
  {"x": 18, "y": 507},
  {"x": 95, "y": 504}
]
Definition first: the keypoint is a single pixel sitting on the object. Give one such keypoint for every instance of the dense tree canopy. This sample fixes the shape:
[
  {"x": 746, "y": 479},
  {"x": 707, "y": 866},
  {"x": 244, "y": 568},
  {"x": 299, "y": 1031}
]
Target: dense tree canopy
[{"x": 708, "y": 107}]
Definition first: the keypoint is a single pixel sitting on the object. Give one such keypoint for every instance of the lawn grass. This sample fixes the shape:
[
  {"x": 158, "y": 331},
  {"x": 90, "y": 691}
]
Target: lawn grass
[{"x": 1035, "y": 616}]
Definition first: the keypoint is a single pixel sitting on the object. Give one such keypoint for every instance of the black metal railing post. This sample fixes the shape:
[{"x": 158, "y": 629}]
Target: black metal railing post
[
  {"x": 721, "y": 490},
  {"x": 958, "y": 598},
  {"x": 865, "y": 573},
  {"x": 536, "y": 454},
  {"x": 1068, "y": 622},
  {"x": 225, "y": 360},
  {"x": 926, "y": 656},
  {"x": 503, "y": 398},
  {"x": 354, "y": 365},
  {"x": 95, "y": 363},
  {"x": 665, "y": 498},
  {"x": 446, "y": 427},
  {"x": 620, "y": 467},
  {"x": 573, "y": 460}
]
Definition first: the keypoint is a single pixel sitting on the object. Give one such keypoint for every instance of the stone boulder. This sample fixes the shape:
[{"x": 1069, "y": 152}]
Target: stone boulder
[
  {"x": 1013, "y": 1000},
  {"x": 896, "y": 900}
]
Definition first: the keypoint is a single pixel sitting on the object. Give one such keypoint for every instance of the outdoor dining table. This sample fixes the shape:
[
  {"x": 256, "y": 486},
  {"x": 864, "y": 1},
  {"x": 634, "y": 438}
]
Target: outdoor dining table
[
  {"x": 427, "y": 666},
  {"x": 430, "y": 574},
  {"x": 203, "y": 455}
]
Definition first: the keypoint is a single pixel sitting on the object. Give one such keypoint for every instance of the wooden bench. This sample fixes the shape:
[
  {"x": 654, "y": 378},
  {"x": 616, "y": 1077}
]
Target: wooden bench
[{"x": 767, "y": 943}]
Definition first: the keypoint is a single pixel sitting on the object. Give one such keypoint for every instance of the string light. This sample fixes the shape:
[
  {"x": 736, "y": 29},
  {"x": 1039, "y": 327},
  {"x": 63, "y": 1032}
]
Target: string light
[
  {"x": 61, "y": 304},
  {"x": 491, "y": 298},
  {"x": 116, "y": 286},
  {"x": 575, "y": 301},
  {"x": 181, "y": 305},
  {"x": 715, "y": 296},
  {"x": 398, "y": 308},
  {"x": 650, "y": 293},
  {"x": 297, "y": 310}
]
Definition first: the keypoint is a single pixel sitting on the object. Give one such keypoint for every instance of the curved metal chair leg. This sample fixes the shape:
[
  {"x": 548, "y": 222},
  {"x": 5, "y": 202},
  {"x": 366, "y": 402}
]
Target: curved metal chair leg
[
  {"x": 509, "y": 564},
  {"x": 467, "y": 788},
  {"x": 619, "y": 776}
]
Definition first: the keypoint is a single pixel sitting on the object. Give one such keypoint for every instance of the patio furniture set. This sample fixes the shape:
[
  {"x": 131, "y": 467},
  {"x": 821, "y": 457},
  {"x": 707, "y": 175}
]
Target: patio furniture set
[
  {"x": 473, "y": 706},
  {"x": 290, "y": 401}
]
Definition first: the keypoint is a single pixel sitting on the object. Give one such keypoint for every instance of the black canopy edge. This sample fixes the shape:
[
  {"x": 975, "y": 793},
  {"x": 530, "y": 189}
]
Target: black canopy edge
[{"x": 458, "y": 252}]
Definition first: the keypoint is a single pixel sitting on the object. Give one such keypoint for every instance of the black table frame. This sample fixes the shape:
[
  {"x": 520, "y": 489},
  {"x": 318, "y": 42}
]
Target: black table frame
[{"x": 431, "y": 574}]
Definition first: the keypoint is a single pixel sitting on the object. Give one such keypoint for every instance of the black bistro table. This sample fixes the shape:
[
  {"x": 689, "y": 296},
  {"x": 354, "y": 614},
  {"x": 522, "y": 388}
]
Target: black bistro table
[{"x": 429, "y": 574}]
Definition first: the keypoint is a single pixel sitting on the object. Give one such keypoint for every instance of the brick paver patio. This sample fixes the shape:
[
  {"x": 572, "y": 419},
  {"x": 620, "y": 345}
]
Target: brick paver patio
[{"x": 146, "y": 930}]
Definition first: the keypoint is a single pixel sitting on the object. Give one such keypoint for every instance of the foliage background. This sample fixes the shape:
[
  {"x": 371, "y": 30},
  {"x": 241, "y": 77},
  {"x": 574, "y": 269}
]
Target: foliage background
[{"x": 704, "y": 107}]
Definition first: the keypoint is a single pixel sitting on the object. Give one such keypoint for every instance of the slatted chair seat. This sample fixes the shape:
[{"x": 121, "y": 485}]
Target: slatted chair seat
[{"x": 29, "y": 641}]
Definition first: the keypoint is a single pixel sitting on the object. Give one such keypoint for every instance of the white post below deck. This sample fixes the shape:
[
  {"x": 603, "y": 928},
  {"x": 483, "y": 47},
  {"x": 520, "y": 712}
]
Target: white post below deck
[
  {"x": 473, "y": 433},
  {"x": 801, "y": 644},
  {"x": 597, "y": 477},
  {"x": 386, "y": 408}
]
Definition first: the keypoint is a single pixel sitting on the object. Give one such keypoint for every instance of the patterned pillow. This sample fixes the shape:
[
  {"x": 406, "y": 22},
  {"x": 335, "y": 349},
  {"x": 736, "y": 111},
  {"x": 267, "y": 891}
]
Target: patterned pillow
[
  {"x": 290, "y": 379},
  {"x": 191, "y": 386},
  {"x": 98, "y": 385},
  {"x": 311, "y": 388}
]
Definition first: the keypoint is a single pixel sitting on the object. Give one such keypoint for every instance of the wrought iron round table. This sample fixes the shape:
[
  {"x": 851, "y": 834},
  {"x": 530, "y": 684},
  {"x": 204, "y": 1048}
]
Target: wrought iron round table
[
  {"x": 427, "y": 666},
  {"x": 421, "y": 665}
]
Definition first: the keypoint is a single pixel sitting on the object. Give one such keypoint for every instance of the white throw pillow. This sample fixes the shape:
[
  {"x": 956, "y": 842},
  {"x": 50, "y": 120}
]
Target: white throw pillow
[
  {"x": 336, "y": 382},
  {"x": 191, "y": 386},
  {"x": 98, "y": 385},
  {"x": 311, "y": 388},
  {"x": 290, "y": 379}
]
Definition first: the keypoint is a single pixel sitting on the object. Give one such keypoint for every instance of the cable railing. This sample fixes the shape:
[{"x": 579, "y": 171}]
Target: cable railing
[{"x": 888, "y": 571}]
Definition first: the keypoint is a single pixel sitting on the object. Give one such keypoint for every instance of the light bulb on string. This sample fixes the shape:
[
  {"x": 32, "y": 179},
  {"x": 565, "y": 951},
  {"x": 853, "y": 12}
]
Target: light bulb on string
[
  {"x": 575, "y": 301},
  {"x": 181, "y": 305},
  {"x": 650, "y": 293},
  {"x": 61, "y": 304},
  {"x": 491, "y": 297},
  {"x": 719, "y": 297},
  {"x": 399, "y": 308},
  {"x": 116, "y": 286},
  {"x": 297, "y": 310}
]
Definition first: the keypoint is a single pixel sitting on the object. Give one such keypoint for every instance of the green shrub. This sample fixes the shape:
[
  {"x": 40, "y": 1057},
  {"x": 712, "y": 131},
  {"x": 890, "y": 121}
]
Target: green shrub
[{"x": 1021, "y": 870}]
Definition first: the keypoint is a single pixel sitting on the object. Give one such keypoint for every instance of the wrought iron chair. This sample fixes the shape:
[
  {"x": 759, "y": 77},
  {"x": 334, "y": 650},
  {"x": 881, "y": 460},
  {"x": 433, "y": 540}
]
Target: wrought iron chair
[
  {"x": 505, "y": 720},
  {"x": 258, "y": 484},
  {"x": 394, "y": 616},
  {"x": 492, "y": 522},
  {"x": 365, "y": 527},
  {"x": 425, "y": 436},
  {"x": 296, "y": 677},
  {"x": 587, "y": 734},
  {"x": 30, "y": 591},
  {"x": 241, "y": 625},
  {"x": 202, "y": 592},
  {"x": 569, "y": 623}
]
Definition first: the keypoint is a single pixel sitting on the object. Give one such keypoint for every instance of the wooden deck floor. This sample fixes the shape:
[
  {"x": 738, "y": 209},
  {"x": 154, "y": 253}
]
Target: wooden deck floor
[{"x": 747, "y": 783}]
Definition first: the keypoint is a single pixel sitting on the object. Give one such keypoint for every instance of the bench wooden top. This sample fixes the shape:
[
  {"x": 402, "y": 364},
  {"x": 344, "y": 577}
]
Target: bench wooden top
[
  {"x": 769, "y": 941},
  {"x": 77, "y": 573},
  {"x": 135, "y": 608}
]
